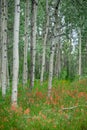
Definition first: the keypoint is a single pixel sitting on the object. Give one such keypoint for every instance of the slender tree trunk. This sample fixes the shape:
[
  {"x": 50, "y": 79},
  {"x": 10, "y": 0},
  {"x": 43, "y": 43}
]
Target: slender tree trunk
[
  {"x": 39, "y": 61},
  {"x": 47, "y": 66},
  {"x": 58, "y": 60},
  {"x": 52, "y": 50},
  {"x": 57, "y": 56},
  {"x": 7, "y": 74},
  {"x": 15, "y": 52},
  {"x": 80, "y": 53},
  {"x": 33, "y": 41},
  {"x": 0, "y": 47},
  {"x": 25, "y": 68},
  {"x": 44, "y": 44},
  {"x": 4, "y": 46},
  {"x": 51, "y": 68},
  {"x": 38, "y": 65}
]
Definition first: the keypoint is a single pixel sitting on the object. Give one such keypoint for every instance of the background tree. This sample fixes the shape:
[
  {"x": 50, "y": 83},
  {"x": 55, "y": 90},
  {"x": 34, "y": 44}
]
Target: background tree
[
  {"x": 33, "y": 40},
  {"x": 80, "y": 63},
  {"x": 44, "y": 43},
  {"x": 25, "y": 65},
  {"x": 0, "y": 46},
  {"x": 52, "y": 50},
  {"x": 57, "y": 61}
]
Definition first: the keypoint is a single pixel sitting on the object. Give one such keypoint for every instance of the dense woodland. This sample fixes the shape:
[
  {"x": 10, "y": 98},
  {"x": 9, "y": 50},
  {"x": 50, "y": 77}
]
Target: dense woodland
[{"x": 43, "y": 43}]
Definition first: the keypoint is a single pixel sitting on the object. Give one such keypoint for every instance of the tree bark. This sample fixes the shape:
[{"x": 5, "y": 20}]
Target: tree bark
[
  {"x": 15, "y": 52},
  {"x": 52, "y": 50},
  {"x": 58, "y": 60},
  {"x": 0, "y": 47},
  {"x": 80, "y": 53},
  {"x": 7, "y": 75},
  {"x": 4, "y": 46},
  {"x": 44, "y": 44},
  {"x": 51, "y": 67},
  {"x": 33, "y": 41},
  {"x": 25, "y": 68}
]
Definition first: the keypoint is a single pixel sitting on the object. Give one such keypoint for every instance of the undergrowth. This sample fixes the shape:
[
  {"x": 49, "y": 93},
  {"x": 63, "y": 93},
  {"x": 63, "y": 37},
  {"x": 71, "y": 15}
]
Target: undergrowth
[{"x": 66, "y": 109}]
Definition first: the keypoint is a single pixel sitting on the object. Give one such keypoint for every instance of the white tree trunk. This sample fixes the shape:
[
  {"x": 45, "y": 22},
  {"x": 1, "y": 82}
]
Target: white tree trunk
[
  {"x": 44, "y": 44},
  {"x": 0, "y": 46},
  {"x": 33, "y": 41},
  {"x": 25, "y": 68},
  {"x": 58, "y": 61},
  {"x": 4, "y": 46},
  {"x": 7, "y": 75},
  {"x": 15, "y": 52},
  {"x": 51, "y": 68},
  {"x": 80, "y": 53},
  {"x": 54, "y": 40}
]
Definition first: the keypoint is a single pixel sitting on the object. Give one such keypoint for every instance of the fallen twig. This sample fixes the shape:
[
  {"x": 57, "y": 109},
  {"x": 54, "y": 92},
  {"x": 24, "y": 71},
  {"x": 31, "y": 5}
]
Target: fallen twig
[{"x": 69, "y": 108}]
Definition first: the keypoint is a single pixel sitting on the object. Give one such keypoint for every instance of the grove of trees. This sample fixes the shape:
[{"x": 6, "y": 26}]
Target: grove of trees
[{"x": 41, "y": 40}]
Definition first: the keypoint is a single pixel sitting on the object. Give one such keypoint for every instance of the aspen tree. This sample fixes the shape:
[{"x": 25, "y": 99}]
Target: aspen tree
[
  {"x": 0, "y": 46},
  {"x": 25, "y": 68},
  {"x": 57, "y": 68},
  {"x": 33, "y": 41},
  {"x": 4, "y": 46},
  {"x": 44, "y": 43},
  {"x": 51, "y": 67},
  {"x": 15, "y": 52},
  {"x": 7, "y": 75},
  {"x": 52, "y": 51},
  {"x": 80, "y": 53},
  {"x": 58, "y": 60}
]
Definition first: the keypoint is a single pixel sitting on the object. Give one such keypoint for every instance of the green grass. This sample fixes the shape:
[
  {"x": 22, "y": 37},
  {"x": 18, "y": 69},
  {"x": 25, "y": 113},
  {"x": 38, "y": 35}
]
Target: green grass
[{"x": 36, "y": 112}]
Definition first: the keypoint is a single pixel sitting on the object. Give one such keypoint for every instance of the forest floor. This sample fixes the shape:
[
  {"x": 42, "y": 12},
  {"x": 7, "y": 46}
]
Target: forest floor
[{"x": 66, "y": 109}]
